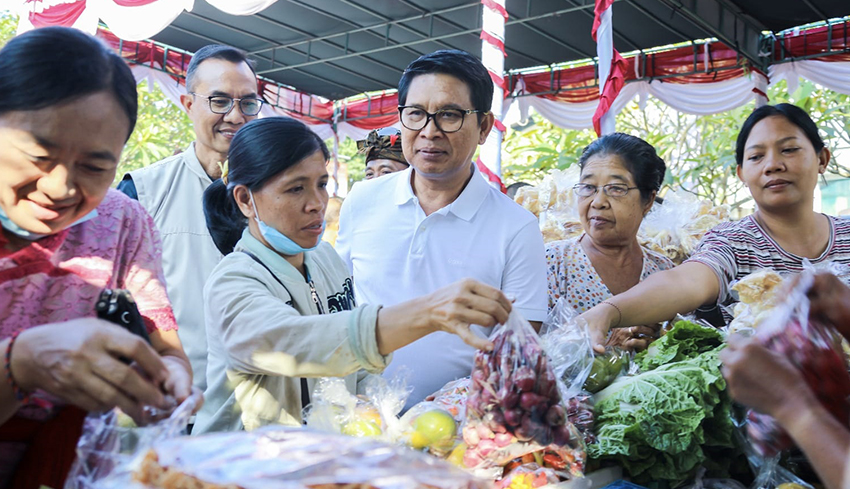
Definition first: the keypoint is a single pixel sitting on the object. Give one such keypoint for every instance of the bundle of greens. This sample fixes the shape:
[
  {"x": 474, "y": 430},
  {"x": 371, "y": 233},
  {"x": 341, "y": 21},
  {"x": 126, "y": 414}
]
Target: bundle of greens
[{"x": 664, "y": 423}]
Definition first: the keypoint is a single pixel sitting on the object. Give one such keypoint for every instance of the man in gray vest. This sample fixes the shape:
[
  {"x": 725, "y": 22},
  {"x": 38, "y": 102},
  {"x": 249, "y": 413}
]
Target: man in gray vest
[{"x": 222, "y": 97}]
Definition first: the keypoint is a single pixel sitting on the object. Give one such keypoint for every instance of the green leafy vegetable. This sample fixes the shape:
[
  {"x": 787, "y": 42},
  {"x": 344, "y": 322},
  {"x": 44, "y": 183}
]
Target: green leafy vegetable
[
  {"x": 685, "y": 341},
  {"x": 658, "y": 423}
]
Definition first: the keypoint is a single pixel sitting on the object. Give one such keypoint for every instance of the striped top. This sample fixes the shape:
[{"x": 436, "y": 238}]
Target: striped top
[{"x": 733, "y": 250}]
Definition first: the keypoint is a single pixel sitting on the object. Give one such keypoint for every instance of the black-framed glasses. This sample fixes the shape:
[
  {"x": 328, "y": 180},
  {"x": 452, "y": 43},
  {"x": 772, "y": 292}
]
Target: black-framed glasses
[
  {"x": 446, "y": 120},
  {"x": 221, "y": 104},
  {"x": 611, "y": 190}
]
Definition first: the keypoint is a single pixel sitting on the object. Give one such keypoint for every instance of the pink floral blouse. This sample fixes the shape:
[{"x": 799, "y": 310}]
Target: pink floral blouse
[
  {"x": 572, "y": 276},
  {"x": 59, "y": 278}
]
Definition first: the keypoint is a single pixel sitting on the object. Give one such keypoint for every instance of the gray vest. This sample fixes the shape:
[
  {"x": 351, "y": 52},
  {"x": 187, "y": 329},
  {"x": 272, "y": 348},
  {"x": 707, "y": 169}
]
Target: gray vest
[{"x": 172, "y": 192}]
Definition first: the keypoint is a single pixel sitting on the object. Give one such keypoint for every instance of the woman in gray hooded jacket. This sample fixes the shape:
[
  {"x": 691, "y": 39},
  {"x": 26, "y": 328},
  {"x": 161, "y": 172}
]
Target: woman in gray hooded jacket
[{"x": 280, "y": 307}]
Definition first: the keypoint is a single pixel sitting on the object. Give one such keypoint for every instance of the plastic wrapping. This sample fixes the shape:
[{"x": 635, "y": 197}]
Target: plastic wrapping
[
  {"x": 514, "y": 405},
  {"x": 291, "y": 458},
  {"x": 529, "y": 476},
  {"x": 109, "y": 442},
  {"x": 566, "y": 339},
  {"x": 374, "y": 414},
  {"x": 559, "y": 217},
  {"x": 452, "y": 397},
  {"x": 675, "y": 228},
  {"x": 814, "y": 349},
  {"x": 757, "y": 295},
  {"x": 606, "y": 368}
]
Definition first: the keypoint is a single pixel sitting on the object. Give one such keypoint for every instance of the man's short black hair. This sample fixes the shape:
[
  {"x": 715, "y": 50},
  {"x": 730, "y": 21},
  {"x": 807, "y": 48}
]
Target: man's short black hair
[
  {"x": 215, "y": 51},
  {"x": 459, "y": 64}
]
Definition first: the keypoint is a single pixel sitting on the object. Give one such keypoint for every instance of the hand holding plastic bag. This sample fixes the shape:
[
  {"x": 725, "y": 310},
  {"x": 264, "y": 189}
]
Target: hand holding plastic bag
[
  {"x": 514, "y": 404},
  {"x": 813, "y": 348}
]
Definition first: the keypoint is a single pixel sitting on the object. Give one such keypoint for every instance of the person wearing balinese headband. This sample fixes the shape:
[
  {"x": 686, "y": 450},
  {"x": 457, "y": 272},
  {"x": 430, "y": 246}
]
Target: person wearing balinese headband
[
  {"x": 280, "y": 307},
  {"x": 383, "y": 152},
  {"x": 65, "y": 115}
]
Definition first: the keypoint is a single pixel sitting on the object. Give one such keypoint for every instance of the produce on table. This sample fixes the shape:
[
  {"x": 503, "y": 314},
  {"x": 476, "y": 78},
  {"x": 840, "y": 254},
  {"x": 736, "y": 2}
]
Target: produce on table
[
  {"x": 362, "y": 428},
  {"x": 291, "y": 457},
  {"x": 433, "y": 429},
  {"x": 664, "y": 423},
  {"x": 530, "y": 476},
  {"x": 580, "y": 414},
  {"x": 685, "y": 340},
  {"x": 605, "y": 368},
  {"x": 514, "y": 405}
]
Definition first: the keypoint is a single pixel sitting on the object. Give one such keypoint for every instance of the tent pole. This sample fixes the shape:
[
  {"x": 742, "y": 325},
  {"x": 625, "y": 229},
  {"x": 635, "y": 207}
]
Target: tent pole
[{"x": 493, "y": 57}]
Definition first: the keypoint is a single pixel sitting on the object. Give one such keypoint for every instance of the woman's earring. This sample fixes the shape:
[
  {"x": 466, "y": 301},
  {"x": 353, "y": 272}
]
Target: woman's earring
[{"x": 823, "y": 179}]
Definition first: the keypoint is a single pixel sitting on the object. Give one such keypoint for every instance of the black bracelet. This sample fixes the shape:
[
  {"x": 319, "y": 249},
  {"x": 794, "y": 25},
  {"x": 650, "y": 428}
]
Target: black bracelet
[{"x": 20, "y": 395}]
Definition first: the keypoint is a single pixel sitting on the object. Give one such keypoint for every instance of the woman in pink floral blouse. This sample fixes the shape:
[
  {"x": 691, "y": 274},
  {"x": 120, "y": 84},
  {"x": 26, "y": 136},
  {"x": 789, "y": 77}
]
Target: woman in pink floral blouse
[
  {"x": 620, "y": 175},
  {"x": 67, "y": 106}
]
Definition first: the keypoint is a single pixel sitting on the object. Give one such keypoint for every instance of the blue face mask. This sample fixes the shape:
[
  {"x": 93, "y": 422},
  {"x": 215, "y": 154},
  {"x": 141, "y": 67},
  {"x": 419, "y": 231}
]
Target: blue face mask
[
  {"x": 278, "y": 240},
  {"x": 20, "y": 232}
]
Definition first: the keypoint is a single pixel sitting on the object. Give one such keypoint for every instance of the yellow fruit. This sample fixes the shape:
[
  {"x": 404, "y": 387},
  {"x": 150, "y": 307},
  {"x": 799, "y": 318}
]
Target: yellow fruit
[
  {"x": 418, "y": 440},
  {"x": 434, "y": 428},
  {"x": 456, "y": 457},
  {"x": 790, "y": 485},
  {"x": 369, "y": 413},
  {"x": 361, "y": 428}
]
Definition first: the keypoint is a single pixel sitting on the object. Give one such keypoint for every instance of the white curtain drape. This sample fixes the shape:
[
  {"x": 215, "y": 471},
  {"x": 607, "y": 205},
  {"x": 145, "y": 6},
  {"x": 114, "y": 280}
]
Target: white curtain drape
[
  {"x": 241, "y": 7},
  {"x": 141, "y": 22},
  {"x": 833, "y": 75},
  {"x": 692, "y": 98}
]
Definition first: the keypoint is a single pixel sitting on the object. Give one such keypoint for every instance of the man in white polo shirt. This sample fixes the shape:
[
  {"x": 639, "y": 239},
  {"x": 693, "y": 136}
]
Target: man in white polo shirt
[{"x": 439, "y": 221}]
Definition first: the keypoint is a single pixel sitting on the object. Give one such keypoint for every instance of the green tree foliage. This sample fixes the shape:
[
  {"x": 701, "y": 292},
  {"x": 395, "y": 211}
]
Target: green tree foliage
[{"x": 162, "y": 129}]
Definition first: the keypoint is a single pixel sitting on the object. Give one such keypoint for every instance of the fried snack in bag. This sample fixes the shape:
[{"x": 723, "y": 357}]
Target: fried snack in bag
[
  {"x": 675, "y": 228},
  {"x": 291, "y": 458},
  {"x": 814, "y": 348},
  {"x": 758, "y": 295},
  {"x": 514, "y": 405}
]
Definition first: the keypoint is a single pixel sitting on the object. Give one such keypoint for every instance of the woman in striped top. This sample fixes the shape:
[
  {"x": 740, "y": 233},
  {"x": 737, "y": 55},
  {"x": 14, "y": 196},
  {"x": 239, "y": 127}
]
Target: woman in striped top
[{"x": 780, "y": 156}]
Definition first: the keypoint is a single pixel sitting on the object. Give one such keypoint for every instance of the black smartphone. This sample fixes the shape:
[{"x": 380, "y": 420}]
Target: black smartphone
[{"x": 117, "y": 306}]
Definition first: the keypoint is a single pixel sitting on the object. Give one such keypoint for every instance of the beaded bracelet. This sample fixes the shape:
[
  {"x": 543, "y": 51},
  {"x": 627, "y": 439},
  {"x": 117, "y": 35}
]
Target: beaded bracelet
[
  {"x": 619, "y": 312},
  {"x": 20, "y": 395}
]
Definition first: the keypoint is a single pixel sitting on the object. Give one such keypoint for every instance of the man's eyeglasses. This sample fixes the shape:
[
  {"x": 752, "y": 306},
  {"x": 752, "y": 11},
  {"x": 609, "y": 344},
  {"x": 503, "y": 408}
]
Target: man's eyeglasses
[
  {"x": 611, "y": 190},
  {"x": 446, "y": 120},
  {"x": 220, "y": 104}
]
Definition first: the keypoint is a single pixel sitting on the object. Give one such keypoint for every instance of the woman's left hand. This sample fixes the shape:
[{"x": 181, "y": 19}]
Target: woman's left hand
[
  {"x": 179, "y": 382},
  {"x": 634, "y": 338}
]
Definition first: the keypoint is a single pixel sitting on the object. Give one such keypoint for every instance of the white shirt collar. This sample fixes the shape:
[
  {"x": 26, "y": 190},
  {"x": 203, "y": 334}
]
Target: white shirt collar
[{"x": 464, "y": 207}]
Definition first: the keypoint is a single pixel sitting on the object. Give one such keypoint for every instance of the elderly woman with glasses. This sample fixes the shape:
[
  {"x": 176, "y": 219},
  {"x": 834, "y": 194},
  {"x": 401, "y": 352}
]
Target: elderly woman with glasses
[{"x": 620, "y": 175}]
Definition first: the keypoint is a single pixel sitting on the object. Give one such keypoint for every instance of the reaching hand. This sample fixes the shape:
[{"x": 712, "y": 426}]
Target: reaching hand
[
  {"x": 457, "y": 306},
  {"x": 634, "y": 338},
  {"x": 80, "y": 361}
]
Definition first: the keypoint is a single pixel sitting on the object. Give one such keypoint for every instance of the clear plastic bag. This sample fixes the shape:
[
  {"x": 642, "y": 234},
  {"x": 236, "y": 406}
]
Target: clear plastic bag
[
  {"x": 566, "y": 340},
  {"x": 771, "y": 475},
  {"x": 108, "y": 446},
  {"x": 675, "y": 228},
  {"x": 373, "y": 415},
  {"x": 812, "y": 347},
  {"x": 290, "y": 458},
  {"x": 528, "y": 476},
  {"x": 558, "y": 206},
  {"x": 514, "y": 404}
]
